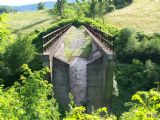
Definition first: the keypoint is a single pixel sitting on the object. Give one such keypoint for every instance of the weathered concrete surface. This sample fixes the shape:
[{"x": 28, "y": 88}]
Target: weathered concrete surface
[
  {"x": 100, "y": 82},
  {"x": 108, "y": 69},
  {"x": 46, "y": 60},
  {"x": 72, "y": 45},
  {"x": 78, "y": 80},
  {"x": 95, "y": 84},
  {"x": 90, "y": 81},
  {"x": 61, "y": 82}
]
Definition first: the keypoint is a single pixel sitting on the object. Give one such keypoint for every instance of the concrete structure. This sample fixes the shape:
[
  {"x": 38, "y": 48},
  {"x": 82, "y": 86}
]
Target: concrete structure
[{"x": 99, "y": 75}]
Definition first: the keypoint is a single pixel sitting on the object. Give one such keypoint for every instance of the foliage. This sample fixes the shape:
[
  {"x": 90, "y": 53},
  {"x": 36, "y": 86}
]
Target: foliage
[
  {"x": 5, "y": 37},
  {"x": 122, "y": 2},
  {"x": 60, "y": 6},
  {"x": 20, "y": 52},
  {"x": 91, "y": 9},
  {"x": 145, "y": 107},
  {"x": 30, "y": 99},
  {"x": 110, "y": 8},
  {"x": 132, "y": 78},
  {"x": 110, "y": 30},
  {"x": 40, "y": 6},
  {"x": 79, "y": 113},
  {"x": 135, "y": 45},
  {"x": 6, "y": 9}
]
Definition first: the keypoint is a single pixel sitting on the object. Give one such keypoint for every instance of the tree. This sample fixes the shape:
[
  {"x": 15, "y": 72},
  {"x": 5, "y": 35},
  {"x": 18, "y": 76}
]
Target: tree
[
  {"x": 5, "y": 36},
  {"x": 92, "y": 8},
  {"x": 6, "y": 9},
  {"x": 30, "y": 100},
  {"x": 19, "y": 53},
  {"x": 40, "y": 6},
  {"x": 60, "y": 6},
  {"x": 145, "y": 107}
]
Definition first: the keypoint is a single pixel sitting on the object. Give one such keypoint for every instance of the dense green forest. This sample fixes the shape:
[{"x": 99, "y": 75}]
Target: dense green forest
[{"x": 26, "y": 94}]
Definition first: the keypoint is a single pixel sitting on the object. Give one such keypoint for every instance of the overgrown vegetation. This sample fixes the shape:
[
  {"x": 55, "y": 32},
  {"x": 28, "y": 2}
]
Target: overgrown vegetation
[
  {"x": 131, "y": 78},
  {"x": 40, "y": 6},
  {"x": 31, "y": 97},
  {"x": 77, "y": 46},
  {"x": 5, "y": 36},
  {"x": 131, "y": 44},
  {"x": 6, "y": 9},
  {"x": 145, "y": 107}
]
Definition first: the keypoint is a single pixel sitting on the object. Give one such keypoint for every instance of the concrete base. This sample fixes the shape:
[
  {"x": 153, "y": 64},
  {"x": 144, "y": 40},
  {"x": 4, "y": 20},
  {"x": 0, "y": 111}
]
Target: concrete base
[
  {"x": 60, "y": 76},
  {"x": 99, "y": 82}
]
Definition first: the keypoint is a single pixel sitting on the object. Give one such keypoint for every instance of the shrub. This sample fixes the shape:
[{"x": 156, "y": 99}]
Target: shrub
[
  {"x": 132, "y": 78},
  {"x": 79, "y": 113},
  {"x": 5, "y": 36},
  {"x": 145, "y": 107},
  {"x": 30, "y": 100},
  {"x": 40, "y": 6},
  {"x": 131, "y": 44},
  {"x": 110, "y": 8},
  {"x": 20, "y": 52},
  {"x": 17, "y": 54}
]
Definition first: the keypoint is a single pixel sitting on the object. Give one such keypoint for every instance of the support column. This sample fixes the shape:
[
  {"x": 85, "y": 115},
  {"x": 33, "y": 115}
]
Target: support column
[
  {"x": 46, "y": 63},
  {"x": 45, "y": 60},
  {"x": 108, "y": 69}
]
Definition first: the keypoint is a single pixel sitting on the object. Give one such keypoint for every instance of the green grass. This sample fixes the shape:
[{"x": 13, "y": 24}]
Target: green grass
[
  {"x": 143, "y": 15},
  {"x": 26, "y": 22},
  {"x": 72, "y": 36}
]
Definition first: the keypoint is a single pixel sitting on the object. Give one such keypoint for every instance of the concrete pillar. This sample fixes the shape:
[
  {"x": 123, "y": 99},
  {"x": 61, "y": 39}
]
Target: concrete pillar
[
  {"x": 45, "y": 60},
  {"x": 60, "y": 80},
  {"x": 46, "y": 63},
  {"x": 108, "y": 69}
]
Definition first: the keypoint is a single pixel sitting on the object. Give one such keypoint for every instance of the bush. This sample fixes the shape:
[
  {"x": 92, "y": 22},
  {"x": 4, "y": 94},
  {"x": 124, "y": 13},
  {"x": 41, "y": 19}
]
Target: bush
[
  {"x": 5, "y": 36},
  {"x": 19, "y": 53},
  {"x": 145, "y": 107},
  {"x": 131, "y": 44},
  {"x": 40, "y": 6},
  {"x": 110, "y": 30},
  {"x": 110, "y": 8},
  {"x": 79, "y": 113},
  {"x": 30, "y": 100},
  {"x": 132, "y": 78}
]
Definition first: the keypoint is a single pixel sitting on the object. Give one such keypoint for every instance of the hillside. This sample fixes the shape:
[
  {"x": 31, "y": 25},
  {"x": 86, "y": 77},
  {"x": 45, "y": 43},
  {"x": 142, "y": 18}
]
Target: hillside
[
  {"x": 32, "y": 7},
  {"x": 29, "y": 21},
  {"x": 29, "y": 7},
  {"x": 143, "y": 15}
]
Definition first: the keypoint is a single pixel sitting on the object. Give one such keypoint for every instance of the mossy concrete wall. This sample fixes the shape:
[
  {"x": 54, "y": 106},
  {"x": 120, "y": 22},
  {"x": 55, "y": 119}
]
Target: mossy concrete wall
[
  {"x": 99, "y": 82},
  {"x": 60, "y": 76},
  {"x": 95, "y": 84}
]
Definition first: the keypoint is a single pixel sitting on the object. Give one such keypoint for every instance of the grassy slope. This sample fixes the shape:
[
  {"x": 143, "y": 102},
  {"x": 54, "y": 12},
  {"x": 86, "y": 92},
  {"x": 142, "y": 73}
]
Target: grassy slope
[
  {"x": 29, "y": 21},
  {"x": 143, "y": 15}
]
